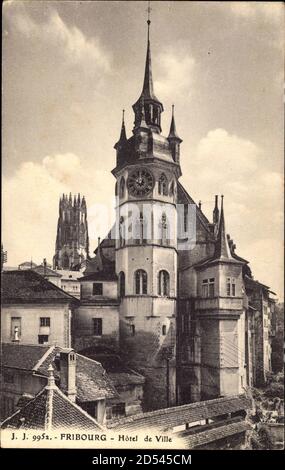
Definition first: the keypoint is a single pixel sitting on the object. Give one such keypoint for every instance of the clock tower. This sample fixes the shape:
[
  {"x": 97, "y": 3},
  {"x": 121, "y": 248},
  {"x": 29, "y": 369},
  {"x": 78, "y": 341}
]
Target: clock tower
[{"x": 147, "y": 170}]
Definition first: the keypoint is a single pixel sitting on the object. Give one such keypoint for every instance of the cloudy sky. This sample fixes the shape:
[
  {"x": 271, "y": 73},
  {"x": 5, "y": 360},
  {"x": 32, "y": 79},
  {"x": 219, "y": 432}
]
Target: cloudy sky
[{"x": 70, "y": 67}]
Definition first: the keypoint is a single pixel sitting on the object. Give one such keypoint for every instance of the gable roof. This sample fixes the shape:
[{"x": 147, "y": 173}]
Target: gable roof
[
  {"x": 51, "y": 409},
  {"x": 92, "y": 382},
  {"x": 168, "y": 418},
  {"x": 22, "y": 356},
  {"x": 29, "y": 286}
]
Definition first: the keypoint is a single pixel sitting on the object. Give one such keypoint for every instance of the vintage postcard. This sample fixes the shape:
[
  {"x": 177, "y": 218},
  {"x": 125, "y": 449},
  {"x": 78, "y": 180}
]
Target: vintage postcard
[{"x": 142, "y": 229}]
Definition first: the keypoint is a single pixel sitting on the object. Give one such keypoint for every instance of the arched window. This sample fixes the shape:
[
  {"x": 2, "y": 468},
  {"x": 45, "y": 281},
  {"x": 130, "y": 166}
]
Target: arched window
[
  {"x": 122, "y": 233},
  {"x": 163, "y": 283},
  {"x": 172, "y": 189},
  {"x": 122, "y": 187},
  {"x": 162, "y": 185},
  {"x": 116, "y": 188},
  {"x": 122, "y": 284},
  {"x": 140, "y": 230},
  {"x": 164, "y": 230},
  {"x": 140, "y": 282}
]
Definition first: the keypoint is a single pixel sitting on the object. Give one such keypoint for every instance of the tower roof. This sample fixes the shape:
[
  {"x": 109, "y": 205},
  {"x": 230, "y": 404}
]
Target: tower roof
[
  {"x": 123, "y": 135},
  {"x": 172, "y": 132},
  {"x": 222, "y": 249},
  {"x": 148, "y": 90}
]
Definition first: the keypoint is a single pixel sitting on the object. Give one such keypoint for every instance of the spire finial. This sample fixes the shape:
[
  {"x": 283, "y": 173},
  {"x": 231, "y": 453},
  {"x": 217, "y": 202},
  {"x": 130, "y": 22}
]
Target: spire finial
[
  {"x": 222, "y": 202},
  {"x": 173, "y": 110},
  {"x": 123, "y": 117},
  {"x": 148, "y": 20}
]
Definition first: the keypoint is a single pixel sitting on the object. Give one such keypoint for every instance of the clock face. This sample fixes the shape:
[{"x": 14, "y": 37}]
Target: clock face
[{"x": 140, "y": 182}]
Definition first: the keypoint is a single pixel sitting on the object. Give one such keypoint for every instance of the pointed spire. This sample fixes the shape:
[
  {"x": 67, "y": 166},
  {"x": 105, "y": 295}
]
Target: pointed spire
[
  {"x": 216, "y": 211},
  {"x": 222, "y": 250},
  {"x": 123, "y": 135},
  {"x": 172, "y": 132}
]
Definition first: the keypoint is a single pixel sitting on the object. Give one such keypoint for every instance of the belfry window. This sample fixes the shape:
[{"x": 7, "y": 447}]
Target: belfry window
[
  {"x": 122, "y": 187},
  {"x": 162, "y": 185},
  {"x": 163, "y": 283},
  {"x": 140, "y": 282}
]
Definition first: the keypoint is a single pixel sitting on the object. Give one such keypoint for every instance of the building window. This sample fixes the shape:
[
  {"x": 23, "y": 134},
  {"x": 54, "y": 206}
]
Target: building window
[
  {"x": 231, "y": 287},
  {"x": 140, "y": 282},
  {"x": 97, "y": 326},
  {"x": 205, "y": 288},
  {"x": 208, "y": 287},
  {"x": 140, "y": 234},
  {"x": 132, "y": 329},
  {"x": 163, "y": 330},
  {"x": 8, "y": 377},
  {"x": 43, "y": 339},
  {"x": 162, "y": 185},
  {"x": 97, "y": 288},
  {"x": 122, "y": 284},
  {"x": 172, "y": 188},
  {"x": 212, "y": 287},
  {"x": 163, "y": 283},
  {"x": 228, "y": 286},
  {"x": 122, "y": 187},
  {"x": 45, "y": 321}
]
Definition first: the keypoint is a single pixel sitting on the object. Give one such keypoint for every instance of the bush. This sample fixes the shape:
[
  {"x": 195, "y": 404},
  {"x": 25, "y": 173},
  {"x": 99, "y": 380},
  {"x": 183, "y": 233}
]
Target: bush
[{"x": 274, "y": 390}]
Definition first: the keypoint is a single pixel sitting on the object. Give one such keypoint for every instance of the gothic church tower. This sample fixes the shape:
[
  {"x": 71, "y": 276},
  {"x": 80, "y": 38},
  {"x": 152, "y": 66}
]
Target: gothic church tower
[
  {"x": 146, "y": 173},
  {"x": 72, "y": 242}
]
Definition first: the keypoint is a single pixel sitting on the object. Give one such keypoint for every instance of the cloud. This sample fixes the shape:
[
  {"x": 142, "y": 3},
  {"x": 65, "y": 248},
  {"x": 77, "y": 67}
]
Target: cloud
[
  {"x": 271, "y": 11},
  {"x": 30, "y": 202},
  {"x": 67, "y": 40},
  {"x": 176, "y": 71},
  {"x": 225, "y": 163}
]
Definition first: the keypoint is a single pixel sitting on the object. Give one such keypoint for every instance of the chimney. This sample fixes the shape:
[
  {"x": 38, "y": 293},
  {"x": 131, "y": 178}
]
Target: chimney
[
  {"x": 200, "y": 205},
  {"x": 68, "y": 373}
]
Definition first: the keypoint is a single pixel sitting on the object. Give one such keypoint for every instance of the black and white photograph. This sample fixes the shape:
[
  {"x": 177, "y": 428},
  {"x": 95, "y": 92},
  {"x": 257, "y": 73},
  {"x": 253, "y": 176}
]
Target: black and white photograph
[{"x": 142, "y": 272}]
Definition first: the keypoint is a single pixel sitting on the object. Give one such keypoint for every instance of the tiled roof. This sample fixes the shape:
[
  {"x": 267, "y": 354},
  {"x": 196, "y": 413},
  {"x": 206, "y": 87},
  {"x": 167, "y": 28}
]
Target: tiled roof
[
  {"x": 92, "y": 382},
  {"x": 45, "y": 271},
  {"x": 22, "y": 356},
  {"x": 216, "y": 433},
  {"x": 116, "y": 369},
  {"x": 168, "y": 418},
  {"x": 51, "y": 405},
  {"x": 29, "y": 286},
  {"x": 184, "y": 198}
]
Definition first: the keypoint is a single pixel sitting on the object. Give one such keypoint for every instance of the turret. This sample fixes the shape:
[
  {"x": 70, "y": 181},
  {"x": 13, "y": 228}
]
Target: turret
[{"x": 174, "y": 139}]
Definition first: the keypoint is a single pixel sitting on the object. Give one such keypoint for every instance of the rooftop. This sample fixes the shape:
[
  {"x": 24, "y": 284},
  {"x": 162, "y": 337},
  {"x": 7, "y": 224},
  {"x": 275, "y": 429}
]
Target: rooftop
[
  {"x": 26, "y": 286},
  {"x": 168, "y": 418},
  {"x": 51, "y": 409},
  {"x": 92, "y": 382}
]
